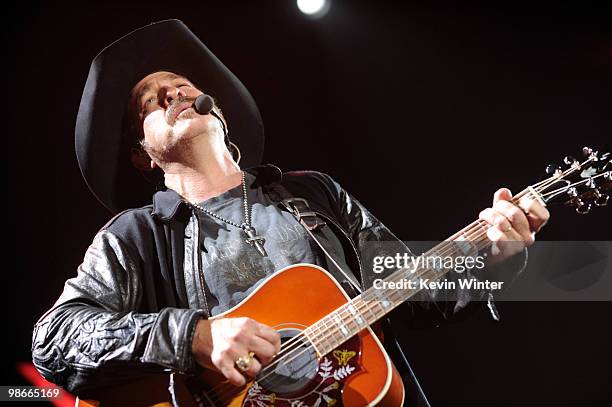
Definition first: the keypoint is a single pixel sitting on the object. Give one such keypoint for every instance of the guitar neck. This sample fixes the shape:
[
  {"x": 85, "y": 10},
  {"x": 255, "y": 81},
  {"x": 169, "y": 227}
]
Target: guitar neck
[
  {"x": 579, "y": 181},
  {"x": 362, "y": 311}
]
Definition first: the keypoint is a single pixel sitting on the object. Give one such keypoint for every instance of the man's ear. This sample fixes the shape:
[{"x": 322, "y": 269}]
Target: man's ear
[{"x": 141, "y": 160}]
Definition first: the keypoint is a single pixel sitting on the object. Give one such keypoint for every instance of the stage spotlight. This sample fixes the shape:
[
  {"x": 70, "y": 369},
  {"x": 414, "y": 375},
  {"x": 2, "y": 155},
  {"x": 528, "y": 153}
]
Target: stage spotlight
[{"x": 313, "y": 8}]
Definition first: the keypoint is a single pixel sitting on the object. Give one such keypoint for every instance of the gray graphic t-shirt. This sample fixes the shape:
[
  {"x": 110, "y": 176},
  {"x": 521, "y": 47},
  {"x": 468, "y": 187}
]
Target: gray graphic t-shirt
[{"x": 232, "y": 267}]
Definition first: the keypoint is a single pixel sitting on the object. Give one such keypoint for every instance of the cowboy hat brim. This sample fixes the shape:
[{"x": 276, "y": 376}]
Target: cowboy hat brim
[{"x": 103, "y": 152}]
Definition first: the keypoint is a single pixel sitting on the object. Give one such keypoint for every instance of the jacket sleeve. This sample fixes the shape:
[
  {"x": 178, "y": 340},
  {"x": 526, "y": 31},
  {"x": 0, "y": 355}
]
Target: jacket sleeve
[
  {"x": 373, "y": 238},
  {"x": 93, "y": 335}
]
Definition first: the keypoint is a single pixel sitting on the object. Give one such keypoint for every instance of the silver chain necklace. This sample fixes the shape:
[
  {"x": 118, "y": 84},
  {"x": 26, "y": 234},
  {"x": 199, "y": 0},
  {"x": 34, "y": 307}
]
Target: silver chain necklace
[{"x": 256, "y": 241}]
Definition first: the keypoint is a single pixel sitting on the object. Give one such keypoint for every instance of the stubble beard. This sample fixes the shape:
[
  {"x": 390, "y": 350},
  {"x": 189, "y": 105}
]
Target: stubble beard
[
  {"x": 177, "y": 147},
  {"x": 171, "y": 151}
]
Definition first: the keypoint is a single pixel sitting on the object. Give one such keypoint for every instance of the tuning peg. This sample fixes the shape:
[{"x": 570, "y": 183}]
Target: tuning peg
[
  {"x": 572, "y": 192},
  {"x": 553, "y": 169},
  {"x": 601, "y": 199},
  {"x": 583, "y": 209},
  {"x": 569, "y": 160},
  {"x": 590, "y": 183},
  {"x": 592, "y": 154}
]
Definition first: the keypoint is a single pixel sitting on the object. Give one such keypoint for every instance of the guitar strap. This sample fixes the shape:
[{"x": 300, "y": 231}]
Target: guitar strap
[{"x": 302, "y": 212}]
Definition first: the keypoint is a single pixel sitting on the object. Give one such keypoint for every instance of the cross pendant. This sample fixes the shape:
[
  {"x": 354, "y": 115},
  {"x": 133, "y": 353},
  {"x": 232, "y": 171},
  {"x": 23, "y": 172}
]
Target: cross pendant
[{"x": 254, "y": 240}]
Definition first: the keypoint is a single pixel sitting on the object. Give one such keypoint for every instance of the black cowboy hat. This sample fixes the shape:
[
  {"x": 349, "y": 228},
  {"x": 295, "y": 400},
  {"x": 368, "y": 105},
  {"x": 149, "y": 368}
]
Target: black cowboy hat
[{"x": 103, "y": 151}]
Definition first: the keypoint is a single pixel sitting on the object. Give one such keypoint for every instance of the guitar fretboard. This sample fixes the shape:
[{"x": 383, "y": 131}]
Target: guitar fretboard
[{"x": 362, "y": 311}]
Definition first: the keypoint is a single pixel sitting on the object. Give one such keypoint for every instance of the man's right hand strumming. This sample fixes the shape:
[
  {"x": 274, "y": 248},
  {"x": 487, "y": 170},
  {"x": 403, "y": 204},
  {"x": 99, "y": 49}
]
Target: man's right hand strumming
[{"x": 220, "y": 343}]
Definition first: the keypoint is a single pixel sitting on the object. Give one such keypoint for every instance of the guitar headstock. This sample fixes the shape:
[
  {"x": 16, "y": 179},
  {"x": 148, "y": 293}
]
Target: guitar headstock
[{"x": 581, "y": 185}]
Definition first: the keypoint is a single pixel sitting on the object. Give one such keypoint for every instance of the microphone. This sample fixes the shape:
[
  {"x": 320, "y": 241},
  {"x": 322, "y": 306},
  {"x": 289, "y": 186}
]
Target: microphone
[{"x": 203, "y": 104}]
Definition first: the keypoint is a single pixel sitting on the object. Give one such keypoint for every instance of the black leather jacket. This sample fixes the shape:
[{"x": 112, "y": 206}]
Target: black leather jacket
[{"x": 133, "y": 306}]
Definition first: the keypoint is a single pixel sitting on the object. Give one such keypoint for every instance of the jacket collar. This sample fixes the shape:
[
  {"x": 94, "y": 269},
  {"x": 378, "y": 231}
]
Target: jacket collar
[{"x": 168, "y": 203}]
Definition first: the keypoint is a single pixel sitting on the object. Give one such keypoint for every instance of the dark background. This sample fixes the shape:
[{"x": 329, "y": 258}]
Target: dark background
[{"x": 421, "y": 111}]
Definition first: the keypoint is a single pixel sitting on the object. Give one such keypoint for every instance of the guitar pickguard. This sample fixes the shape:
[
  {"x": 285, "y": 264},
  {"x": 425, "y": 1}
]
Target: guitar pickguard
[{"x": 324, "y": 389}]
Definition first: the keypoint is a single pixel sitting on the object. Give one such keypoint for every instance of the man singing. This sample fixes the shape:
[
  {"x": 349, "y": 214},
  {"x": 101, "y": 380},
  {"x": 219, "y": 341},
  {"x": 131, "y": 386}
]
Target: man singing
[{"x": 218, "y": 226}]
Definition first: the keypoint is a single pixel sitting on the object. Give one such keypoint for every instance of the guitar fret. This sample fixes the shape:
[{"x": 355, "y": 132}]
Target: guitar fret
[
  {"x": 356, "y": 315},
  {"x": 437, "y": 265},
  {"x": 314, "y": 337},
  {"x": 338, "y": 330},
  {"x": 324, "y": 335},
  {"x": 464, "y": 245},
  {"x": 312, "y": 340},
  {"x": 350, "y": 320},
  {"x": 340, "y": 323},
  {"x": 380, "y": 308},
  {"x": 368, "y": 306},
  {"x": 384, "y": 302}
]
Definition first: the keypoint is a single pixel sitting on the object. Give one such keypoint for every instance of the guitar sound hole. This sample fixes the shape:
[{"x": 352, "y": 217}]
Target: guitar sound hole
[{"x": 296, "y": 365}]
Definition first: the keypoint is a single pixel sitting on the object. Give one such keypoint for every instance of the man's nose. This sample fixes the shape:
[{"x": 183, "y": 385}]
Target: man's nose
[{"x": 170, "y": 94}]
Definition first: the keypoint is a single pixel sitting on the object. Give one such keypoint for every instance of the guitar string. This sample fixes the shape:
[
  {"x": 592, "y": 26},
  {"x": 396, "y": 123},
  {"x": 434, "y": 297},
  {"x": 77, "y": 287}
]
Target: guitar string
[
  {"x": 556, "y": 191},
  {"x": 339, "y": 312},
  {"x": 361, "y": 305},
  {"x": 550, "y": 180},
  {"x": 361, "y": 301},
  {"x": 468, "y": 230},
  {"x": 234, "y": 390},
  {"x": 483, "y": 225}
]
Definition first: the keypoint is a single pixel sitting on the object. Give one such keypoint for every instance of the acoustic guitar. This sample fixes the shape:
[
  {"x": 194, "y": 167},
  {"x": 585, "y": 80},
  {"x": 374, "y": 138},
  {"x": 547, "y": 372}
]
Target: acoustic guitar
[{"x": 329, "y": 355}]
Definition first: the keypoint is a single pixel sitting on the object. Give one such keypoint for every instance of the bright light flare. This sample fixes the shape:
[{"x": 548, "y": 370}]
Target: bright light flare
[{"x": 313, "y": 8}]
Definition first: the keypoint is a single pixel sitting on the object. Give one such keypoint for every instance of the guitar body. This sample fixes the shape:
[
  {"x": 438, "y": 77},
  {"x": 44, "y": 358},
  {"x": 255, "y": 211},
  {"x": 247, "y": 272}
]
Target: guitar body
[{"x": 357, "y": 373}]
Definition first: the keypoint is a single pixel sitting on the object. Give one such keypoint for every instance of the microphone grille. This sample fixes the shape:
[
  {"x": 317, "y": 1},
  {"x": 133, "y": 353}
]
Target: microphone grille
[{"x": 203, "y": 104}]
